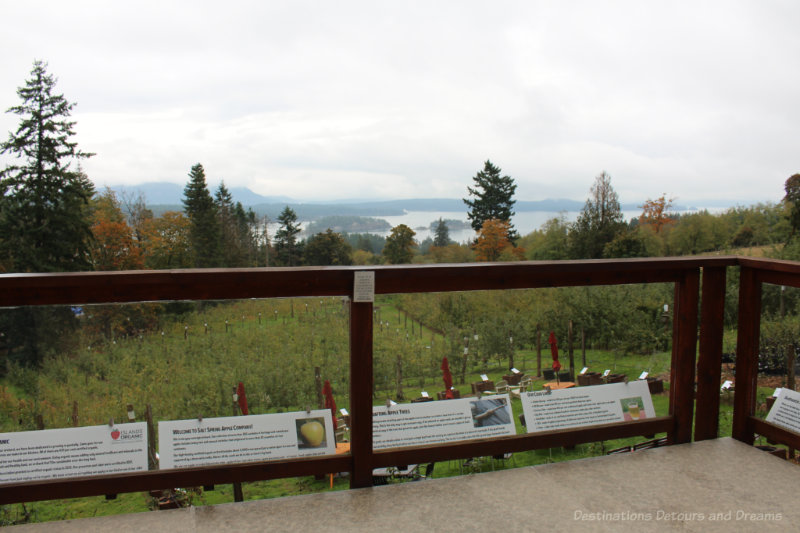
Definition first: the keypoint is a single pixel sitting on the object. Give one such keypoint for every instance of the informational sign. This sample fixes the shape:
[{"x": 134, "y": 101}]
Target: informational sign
[
  {"x": 785, "y": 411},
  {"x": 244, "y": 439},
  {"x": 72, "y": 452},
  {"x": 364, "y": 286},
  {"x": 643, "y": 375},
  {"x": 583, "y": 370},
  {"x": 440, "y": 422},
  {"x": 586, "y": 406}
]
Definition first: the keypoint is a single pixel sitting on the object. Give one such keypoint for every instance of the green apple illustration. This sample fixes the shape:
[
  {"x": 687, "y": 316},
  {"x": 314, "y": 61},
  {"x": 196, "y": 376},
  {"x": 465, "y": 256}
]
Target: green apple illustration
[{"x": 313, "y": 433}]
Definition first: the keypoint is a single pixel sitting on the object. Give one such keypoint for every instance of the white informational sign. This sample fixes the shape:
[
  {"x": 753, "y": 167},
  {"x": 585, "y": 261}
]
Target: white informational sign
[
  {"x": 777, "y": 392},
  {"x": 244, "y": 439},
  {"x": 643, "y": 375},
  {"x": 606, "y": 372},
  {"x": 583, "y": 370},
  {"x": 514, "y": 371},
  {"x": 484, "y": 377},
  {"x": 439, "y": 422},
  {"x": 727, "y": 385},
  {"x": 424, "y": 394},
  {"x": 785, "y": 411},
  {"x": 587, "y": 406},
  {"x": 364, "y": 286},
  {"x": 72, "y": 452}
]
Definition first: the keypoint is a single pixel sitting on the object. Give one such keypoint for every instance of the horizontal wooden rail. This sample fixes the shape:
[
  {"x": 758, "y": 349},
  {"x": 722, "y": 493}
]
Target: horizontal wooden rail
[
  {"x": 775, "y": 433},
  {"x": 228, "y": 284},
  {"x": 166, "y": 479},
  {"x": 520, "y": 443}
]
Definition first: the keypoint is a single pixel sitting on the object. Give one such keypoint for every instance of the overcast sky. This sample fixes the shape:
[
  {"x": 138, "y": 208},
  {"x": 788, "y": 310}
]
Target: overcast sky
[{"x": 370, "y": 99}]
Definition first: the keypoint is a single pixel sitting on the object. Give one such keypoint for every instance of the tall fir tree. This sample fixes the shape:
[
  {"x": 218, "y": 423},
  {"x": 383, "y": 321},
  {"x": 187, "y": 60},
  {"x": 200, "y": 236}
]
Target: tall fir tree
[
  {"x": 44, "y": 194},
  {"x": 494, "y": 198},
  {"x": 202, "y": 213},
  {"x": 599, "y": 223},
  {"x": 287, "y": 247},
  {"x": 45, "y": 221},
  {"x": 441, "y": 234},
  {"x": 230, "y": 252}
]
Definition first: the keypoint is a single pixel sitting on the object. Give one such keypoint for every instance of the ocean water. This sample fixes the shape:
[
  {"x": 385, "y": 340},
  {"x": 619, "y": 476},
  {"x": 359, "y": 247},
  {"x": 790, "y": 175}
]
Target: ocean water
[{"x": 524, "y": 222}]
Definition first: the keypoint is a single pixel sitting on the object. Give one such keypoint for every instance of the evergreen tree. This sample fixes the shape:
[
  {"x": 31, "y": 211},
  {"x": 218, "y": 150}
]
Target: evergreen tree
[
  {"x": 400, "y": 244},
  {"x": 287, "y": 248},
  {"x": 792, "y": 200},
  {"x": 202, "y": 213},
  {"x": 441, "y": 234},
  {"x": 599, "y": 223},
  {"x": 327, "y": 249},
  {"x": 232, "y": 254},
  {"x": 246, "y": 230},
  {"x": 44, "y": 220},
  {"x": 494, "y": 198}
]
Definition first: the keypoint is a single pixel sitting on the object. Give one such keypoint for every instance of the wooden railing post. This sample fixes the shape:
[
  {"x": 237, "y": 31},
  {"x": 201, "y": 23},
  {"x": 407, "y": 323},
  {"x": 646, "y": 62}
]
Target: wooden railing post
[
  {"x": 744, "y": 400},
  {"x": 709, "y": 363},
  {"x": 361, "y": 393},
  {"x": 684, "y": 346}
]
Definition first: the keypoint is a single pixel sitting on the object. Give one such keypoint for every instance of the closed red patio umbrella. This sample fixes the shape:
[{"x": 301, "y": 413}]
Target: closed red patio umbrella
[
  {"x": 327, "y": 391},
  {"x": 241, "y": 398},
  {"x": 447, "y": 377},
  {"x": 554, "y": 352}
]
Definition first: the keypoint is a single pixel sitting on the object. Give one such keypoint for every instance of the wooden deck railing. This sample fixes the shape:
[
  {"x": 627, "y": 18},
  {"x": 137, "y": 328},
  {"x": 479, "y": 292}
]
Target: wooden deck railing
[{"x": 689, "y": 412}]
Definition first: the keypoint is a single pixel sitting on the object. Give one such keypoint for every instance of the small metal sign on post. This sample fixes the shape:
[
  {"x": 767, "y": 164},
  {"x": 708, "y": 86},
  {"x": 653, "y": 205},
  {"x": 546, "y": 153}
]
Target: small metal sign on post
[{"x": 364, "y": 286}]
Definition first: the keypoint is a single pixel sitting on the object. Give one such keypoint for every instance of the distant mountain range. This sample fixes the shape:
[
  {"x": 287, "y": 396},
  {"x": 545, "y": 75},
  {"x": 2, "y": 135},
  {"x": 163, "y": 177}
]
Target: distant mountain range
[{"x": 161, "y": 197}]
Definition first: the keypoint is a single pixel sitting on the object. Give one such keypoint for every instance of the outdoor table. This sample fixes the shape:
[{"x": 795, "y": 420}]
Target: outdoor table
[
  {"x": 482, "y": 386},
  {"x": 553, "y": 385}
]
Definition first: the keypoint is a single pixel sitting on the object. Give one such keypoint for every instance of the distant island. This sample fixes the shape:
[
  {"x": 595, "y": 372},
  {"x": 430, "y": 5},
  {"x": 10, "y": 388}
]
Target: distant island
[
  {"x": 452, "y": 225},
  {"x": 347, "y": 224}
]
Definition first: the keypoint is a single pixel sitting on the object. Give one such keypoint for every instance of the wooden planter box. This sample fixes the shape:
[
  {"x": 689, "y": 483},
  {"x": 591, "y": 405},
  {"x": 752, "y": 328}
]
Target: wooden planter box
[
  {"x": 590, "y": 378},
  {"x": 482, "y": 386},
  {"x": 615, "y": 378},
  {"x": 514, "y": 379},
  {"x": 655, "y": 385}
]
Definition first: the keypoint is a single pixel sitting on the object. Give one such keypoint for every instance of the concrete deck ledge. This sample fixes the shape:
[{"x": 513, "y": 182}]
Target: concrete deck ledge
[{"x": 717, "y": 485}]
